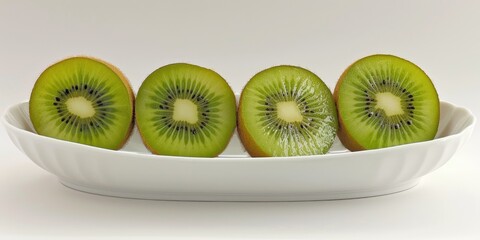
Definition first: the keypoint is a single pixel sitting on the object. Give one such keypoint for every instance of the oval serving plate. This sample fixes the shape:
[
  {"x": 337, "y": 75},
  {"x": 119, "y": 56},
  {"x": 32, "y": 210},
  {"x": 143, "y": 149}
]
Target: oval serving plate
[{"x": 134, "y": 172}]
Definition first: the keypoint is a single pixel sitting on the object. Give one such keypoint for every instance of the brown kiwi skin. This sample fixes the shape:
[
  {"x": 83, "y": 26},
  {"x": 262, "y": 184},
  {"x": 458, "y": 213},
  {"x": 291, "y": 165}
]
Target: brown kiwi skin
[
  {"x": 146, "y": 143},
  {"x": 125, "y": 81},
  {"x": 346, "y": 139},
  {"x": 248, "y": 143},
  {"x": 131, "y": 96}
]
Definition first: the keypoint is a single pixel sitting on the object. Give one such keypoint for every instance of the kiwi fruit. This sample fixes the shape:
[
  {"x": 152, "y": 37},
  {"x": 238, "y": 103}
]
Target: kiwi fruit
[
  {"x": 286, "y": 111},
  {"x": 185, "y": 110},
  {"x": 384, "y": 101},
  {"x": 83, "y": 100}
]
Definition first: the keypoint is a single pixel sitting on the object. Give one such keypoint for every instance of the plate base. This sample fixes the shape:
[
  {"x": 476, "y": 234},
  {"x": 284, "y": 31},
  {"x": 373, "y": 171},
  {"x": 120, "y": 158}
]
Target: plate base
[{"x": 248, "y": 197}]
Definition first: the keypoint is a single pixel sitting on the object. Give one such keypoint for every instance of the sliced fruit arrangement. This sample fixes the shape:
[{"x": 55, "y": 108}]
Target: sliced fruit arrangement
[
  {"x": 185, "y": 110},
  {"x": 286, "y": 111},
  {"x": 384, "y": 101},
  {"x": 83, "y": 100}
]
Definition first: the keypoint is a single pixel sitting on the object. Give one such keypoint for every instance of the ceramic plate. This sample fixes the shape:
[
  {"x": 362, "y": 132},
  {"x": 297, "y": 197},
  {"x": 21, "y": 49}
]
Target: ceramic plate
[{"x": 133, "y": 172}]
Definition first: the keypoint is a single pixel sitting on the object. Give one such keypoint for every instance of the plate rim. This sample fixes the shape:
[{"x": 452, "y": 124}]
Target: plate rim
[{"x": 468, "y": 128}]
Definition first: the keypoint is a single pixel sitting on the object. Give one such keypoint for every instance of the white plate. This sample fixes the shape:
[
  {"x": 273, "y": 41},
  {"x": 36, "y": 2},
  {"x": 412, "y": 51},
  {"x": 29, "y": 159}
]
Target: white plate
[{"x": 133, "y": 172}]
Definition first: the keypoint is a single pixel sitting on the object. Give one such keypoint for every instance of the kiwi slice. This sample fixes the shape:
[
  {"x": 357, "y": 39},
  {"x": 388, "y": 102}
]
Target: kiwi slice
[
  {"x": 384, "y": 101},
  {"x": 185, "y": 110},
  {"x": 83, "y": 100},
  {"x": 286, "y": 111}
]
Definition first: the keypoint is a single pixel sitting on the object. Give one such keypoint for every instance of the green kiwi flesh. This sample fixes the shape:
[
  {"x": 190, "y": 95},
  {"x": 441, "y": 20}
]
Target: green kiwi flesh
[
  {"x": 83, "y": 100},
  {"x": 286, "y": 111},
  {"x": 185, "y": 110},
  {"x": 384, "y": 101}
]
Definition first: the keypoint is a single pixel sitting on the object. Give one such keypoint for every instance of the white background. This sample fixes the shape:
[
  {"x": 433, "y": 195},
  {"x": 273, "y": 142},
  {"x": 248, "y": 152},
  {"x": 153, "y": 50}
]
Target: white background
[{"x": 238, "y": 39}]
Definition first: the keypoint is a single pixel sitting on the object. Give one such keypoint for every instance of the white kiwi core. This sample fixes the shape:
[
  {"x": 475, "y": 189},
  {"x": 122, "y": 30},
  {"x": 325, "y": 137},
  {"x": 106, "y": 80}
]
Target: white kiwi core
[
  {"x": 389, "y": 103},
  {"x": 289, "y": 112},
  {"x": 80, "y": 106},
  {"x": 185, "y": 110}
]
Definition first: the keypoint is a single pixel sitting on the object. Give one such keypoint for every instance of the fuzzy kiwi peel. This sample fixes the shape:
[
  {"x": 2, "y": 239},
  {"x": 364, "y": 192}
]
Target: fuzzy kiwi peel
[
  {"x": 383, "y": 101},
  {"x": 286, "y": 111},
  {"x": 185, "y": 110},
  {"x": 84, "y": 100},
  {"x": 247, "y": 140}
]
